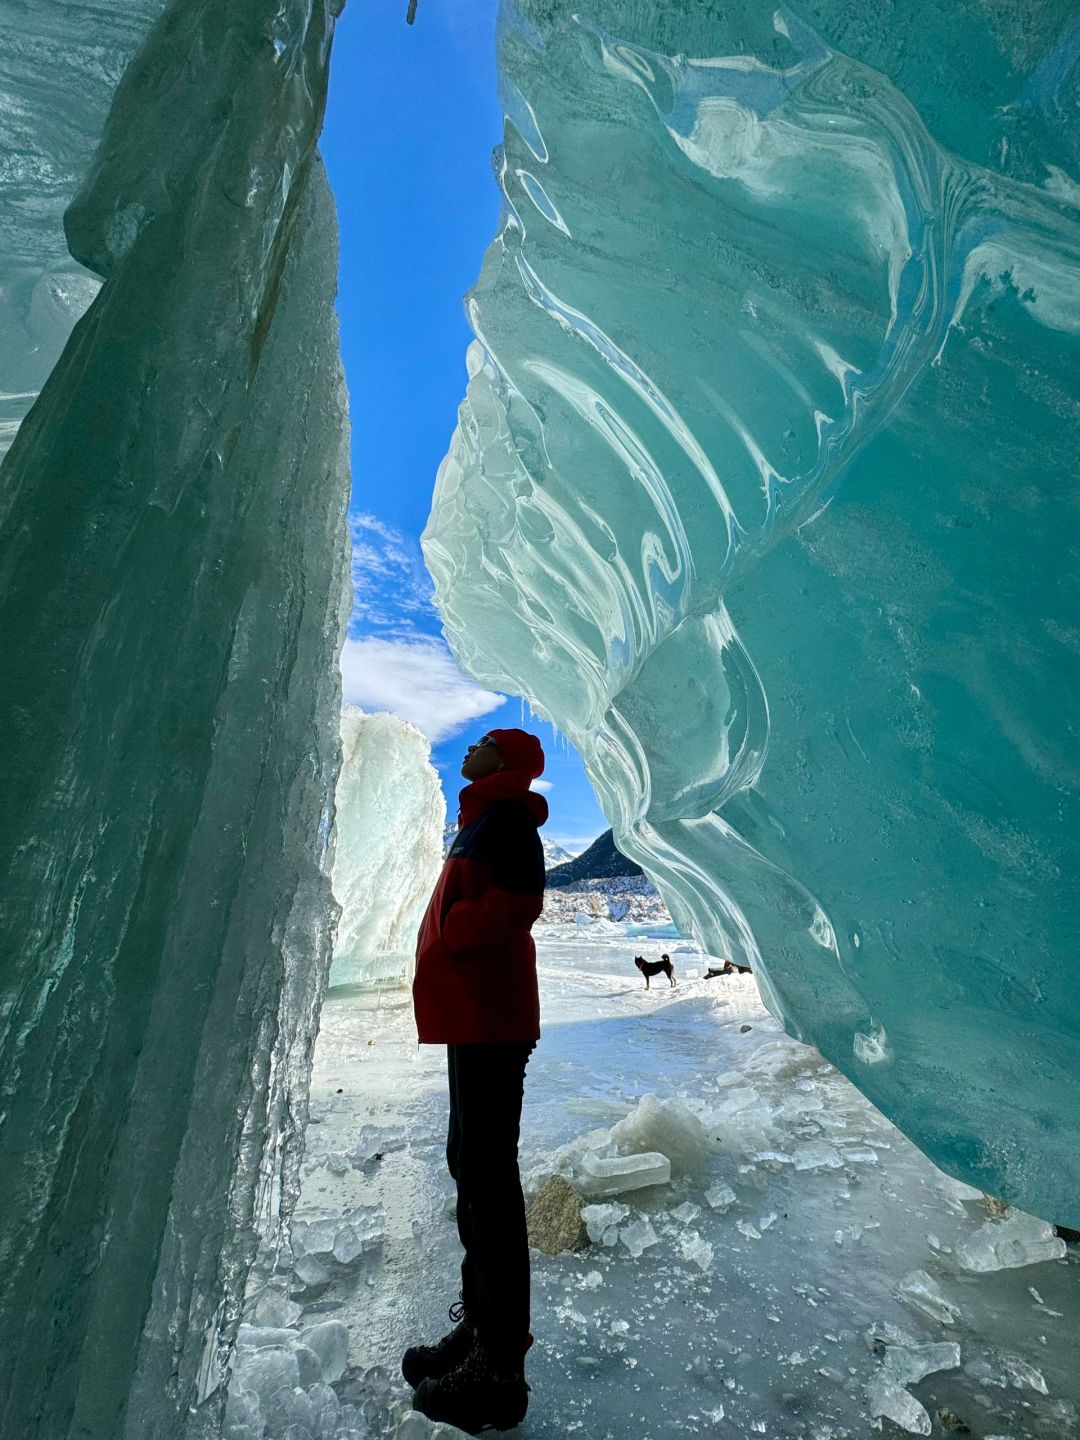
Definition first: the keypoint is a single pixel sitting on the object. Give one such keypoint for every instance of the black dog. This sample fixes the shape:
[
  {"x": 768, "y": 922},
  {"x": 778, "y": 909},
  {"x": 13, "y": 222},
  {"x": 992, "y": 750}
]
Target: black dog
[
  {"x": 728, "y": 968},
  {"x": 655, "y": 967}
]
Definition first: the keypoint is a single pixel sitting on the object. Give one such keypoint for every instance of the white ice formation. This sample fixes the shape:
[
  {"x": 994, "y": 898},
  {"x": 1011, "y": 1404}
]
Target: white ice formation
[{"x": 390, "y": 817}]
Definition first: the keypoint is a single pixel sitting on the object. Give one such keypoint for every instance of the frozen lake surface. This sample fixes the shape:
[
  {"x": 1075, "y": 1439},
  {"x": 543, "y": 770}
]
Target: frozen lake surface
[{"x": 801, "y": 1280}]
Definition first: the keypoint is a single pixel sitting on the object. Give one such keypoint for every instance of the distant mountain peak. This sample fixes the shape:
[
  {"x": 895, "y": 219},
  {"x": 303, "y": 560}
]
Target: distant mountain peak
[
  {"x": 554, "y": 853},
  {"x": 601, "y": 861}
]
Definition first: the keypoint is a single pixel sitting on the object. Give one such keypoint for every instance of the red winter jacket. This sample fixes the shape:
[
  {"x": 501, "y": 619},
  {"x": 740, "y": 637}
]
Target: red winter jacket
[{"x": 475, "y": 958}]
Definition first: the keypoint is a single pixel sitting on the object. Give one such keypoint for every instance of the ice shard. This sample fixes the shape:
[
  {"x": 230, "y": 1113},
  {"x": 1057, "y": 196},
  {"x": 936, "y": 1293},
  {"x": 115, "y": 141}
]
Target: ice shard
[
  {"x": 390, "y": 819},
  {"x": 173, "y": 576},
  {"x": 764, "y": 491}
]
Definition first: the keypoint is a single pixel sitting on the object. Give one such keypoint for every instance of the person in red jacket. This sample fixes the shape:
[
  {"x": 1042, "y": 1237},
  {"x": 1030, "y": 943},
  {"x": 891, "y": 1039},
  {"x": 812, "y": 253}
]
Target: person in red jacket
[{"x": 475, "y": 992}]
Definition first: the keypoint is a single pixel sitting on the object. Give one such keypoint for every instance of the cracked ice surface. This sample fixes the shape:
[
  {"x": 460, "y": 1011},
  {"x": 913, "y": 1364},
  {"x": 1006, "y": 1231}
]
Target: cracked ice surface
[
  {"x": 775, "y": 1300},
  {"x": 764, "y": 491}
]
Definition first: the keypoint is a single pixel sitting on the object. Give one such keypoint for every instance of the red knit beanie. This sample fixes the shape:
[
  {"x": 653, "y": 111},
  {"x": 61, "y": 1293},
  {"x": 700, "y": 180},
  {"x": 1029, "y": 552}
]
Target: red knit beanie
[{"x": 520, "y": 751}]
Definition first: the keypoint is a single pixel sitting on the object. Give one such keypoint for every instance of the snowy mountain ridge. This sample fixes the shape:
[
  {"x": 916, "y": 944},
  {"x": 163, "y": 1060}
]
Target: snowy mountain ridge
[{"x": 554, "y": 853}]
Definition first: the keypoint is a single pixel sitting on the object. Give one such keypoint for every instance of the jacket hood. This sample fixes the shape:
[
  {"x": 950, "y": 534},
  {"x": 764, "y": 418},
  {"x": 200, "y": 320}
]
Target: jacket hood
[
  {"x": 502, "y": 785},
  {"x": 520, "y": 751}
]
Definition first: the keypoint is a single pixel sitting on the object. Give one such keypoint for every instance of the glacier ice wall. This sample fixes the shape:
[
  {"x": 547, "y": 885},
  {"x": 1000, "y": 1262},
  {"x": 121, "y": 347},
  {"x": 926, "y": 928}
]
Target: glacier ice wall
[
  {"x": 59, "y": 66},
  {"x": 173, "y": 586},
  {"x": 390, "y": 814},
  {"x": 764, "y": 490}
]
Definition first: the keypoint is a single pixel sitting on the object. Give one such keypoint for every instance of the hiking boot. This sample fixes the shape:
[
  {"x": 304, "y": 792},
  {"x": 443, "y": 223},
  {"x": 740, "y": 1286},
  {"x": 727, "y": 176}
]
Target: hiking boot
[
  {"x": 429, "y": 1362},
  {"x": 475, "y": 1396}
]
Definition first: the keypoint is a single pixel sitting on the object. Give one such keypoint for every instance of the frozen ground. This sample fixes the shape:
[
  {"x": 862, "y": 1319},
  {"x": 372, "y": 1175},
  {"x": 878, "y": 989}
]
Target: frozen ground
[{"x": 772, "y": 1301}]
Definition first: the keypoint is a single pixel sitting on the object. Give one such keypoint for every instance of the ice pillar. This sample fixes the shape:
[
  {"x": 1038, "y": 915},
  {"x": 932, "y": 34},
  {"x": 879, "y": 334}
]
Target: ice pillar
[{"x": 172, "y": 595}]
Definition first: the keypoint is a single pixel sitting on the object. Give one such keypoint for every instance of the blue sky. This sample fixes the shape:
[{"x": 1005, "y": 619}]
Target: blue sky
[{"x": 412, "y": 120}]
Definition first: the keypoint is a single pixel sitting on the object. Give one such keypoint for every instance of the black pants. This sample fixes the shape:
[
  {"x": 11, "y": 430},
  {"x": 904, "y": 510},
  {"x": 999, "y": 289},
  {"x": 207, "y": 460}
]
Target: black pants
[{"x": 487, "y": 1083}]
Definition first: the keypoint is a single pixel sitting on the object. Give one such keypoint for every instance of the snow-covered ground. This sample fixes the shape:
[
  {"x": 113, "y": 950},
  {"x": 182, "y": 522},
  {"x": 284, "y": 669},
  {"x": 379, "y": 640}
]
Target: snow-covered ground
[{"x": 805, "y": 1274}]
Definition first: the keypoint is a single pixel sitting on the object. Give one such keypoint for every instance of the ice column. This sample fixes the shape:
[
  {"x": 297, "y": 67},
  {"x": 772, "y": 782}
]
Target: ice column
[
  {"x": 764, "y": 490},
  {"x": 390, "y": 818},
  {"x": 172, "y": 595}
]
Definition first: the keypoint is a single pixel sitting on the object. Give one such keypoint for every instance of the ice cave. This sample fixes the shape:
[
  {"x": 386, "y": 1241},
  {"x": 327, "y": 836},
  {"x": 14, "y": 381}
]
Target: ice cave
[{"x": 762, "y": 491}]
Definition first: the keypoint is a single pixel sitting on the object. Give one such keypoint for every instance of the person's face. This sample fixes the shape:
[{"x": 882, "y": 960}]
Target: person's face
[{"x": 481, "y": 758}]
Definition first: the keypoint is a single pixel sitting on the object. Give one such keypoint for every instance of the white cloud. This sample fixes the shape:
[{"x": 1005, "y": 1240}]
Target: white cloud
[
  {"x": 542, "y": 785},
  {"x": 391, "y": 587},
  {"x": 415, "y": 678}
]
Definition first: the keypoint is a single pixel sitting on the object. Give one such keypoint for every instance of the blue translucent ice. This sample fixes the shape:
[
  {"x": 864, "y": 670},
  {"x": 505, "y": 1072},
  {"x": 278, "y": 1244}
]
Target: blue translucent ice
[{"x": 764, "y": 491}]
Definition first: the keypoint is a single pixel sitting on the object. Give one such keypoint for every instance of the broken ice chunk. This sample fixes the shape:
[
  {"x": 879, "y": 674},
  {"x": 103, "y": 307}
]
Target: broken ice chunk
[
  {"x": 348, "y": 1246},
  {"x": 667, "y": 1127},
  {"x": 258, "y": 1337},
  {"x": 277, "y": 1310},
  {"x": 772, "y": 1159},
  {"x": 412, "y": 1426},
  {"x": 1020, "y": 1373},
  {"x": 686, "y": 1212},
  {"x": 1007, "y": 1244},
  {"x": 308, "y": 1365},
  {"x": 751, "y": 1232},
  {"x": 816, "y": 1155},
  {"x": 601, "y": 1218},
  {"x": 861, "y": 1155},
  {"x": 696, "y": 1249},
  {"x": 736, "y": 1099},
  {"x": 908, "y": 1364},
  {"x": 310, "y": 1270},
  {"x": 720, "y": 1196},
  {"x": 638, "y": 1237},
  {"x": 614, "y": 1175},
  {"x": 919, "y": 1291},
  {"x": 887, "y": 1400},
  {"x": 267, "y": 1371},
  {"x": 330, "y": 1342},
  {"x": 370, "y": 1145},
  {"x": 315, "y": 1239},
  {"x": 366, "y": 1223}
]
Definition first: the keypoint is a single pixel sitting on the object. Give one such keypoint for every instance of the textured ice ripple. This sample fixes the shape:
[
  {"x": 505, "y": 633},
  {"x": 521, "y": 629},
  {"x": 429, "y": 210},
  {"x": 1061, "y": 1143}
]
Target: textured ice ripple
[{"x": 763, "y": 491}]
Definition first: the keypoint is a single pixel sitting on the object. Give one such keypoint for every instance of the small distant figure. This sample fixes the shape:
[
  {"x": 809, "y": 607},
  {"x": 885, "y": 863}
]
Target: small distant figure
[
  {"x": 663, "y": 966},
  {"x": 728, "y": 968}
]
